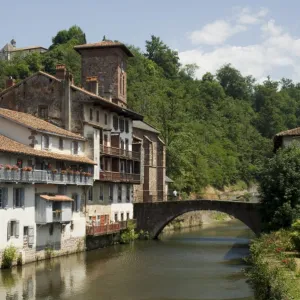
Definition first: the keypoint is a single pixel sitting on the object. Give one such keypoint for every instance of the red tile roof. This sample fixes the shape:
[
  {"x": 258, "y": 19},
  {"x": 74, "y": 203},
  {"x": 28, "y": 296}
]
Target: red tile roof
[
  {"x": 56, "y": 198},
  {"x": 11, "y": 146},
  {"x": 37, "y": 124},
  {"x": 104, "y": 44}
]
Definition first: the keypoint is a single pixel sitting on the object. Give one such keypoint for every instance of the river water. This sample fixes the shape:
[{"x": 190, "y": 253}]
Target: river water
[{"x": 195, "y": 264}]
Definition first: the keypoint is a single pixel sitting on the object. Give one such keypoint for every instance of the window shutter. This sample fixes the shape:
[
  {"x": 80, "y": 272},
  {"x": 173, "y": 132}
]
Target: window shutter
[
  {"x": 8, "y": 230},
  {"x": 14, "y": 198},
  {"x": 78, "y": 203},
  {"x": 22, "y": 197},
  {"x": 30, "y": 236},
  {"x": 50, "y": 142},
  {"x": 79, "y": 147},
  {"x": 17, "y": 228},
  {"x": 5, "y": 197},
  {"x": 72, "y": 147},
  {"x": 43, "y": 142}
]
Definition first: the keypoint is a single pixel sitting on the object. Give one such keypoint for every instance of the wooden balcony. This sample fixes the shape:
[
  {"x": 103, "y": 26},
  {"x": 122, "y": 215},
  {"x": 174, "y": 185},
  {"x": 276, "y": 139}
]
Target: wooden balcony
[
  {"x": 119, "y": 177},
  {"x": 122, "y": 153},
  {"x": 95, "y": 230},
  {"x": 42, "y": 176}
]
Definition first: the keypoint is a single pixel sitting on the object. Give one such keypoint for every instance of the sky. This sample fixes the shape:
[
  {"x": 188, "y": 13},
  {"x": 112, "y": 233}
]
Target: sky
[{"x": 258, "y": 37}]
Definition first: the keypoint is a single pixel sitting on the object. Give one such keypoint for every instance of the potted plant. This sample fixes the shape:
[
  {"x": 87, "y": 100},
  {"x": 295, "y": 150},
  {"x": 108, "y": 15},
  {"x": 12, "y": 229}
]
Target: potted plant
[
  {"x": 15, "y": 168},
  {"x": 77, "y": 172},
  {"x": 54, "y": 171},
  {"x": 70, "y": 171},
  {"x": 1, "y": 166},
  {"x": 63, "y": 172},
  {"x": 7, "y": 167},
  {"x": 27, "y": 169},
  {"x": 88, "y": 174}
]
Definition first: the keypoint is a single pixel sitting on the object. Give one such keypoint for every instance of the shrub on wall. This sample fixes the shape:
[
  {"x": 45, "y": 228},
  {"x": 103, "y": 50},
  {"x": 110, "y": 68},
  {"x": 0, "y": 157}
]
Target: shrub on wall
[{"x": 8, "y": 257}]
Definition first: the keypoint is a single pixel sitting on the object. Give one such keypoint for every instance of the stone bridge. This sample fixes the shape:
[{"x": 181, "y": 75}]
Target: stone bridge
[{"x": 153, "y": 217}]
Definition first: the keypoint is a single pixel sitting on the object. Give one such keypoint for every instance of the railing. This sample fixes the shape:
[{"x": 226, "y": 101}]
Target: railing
[
  {"x": 56, "y": 216},
  {"x": 108, "y": 228},
  {"x": 43, "y": 176},
  {"x": 103, "y": 229},
  {"x": 119, "y": 177},
  {"x": 120, "y": 152}
]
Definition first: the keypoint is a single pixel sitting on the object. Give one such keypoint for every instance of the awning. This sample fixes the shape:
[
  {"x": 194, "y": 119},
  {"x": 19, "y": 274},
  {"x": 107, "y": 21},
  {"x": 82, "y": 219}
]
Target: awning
[{"x": 56, "y": 198}]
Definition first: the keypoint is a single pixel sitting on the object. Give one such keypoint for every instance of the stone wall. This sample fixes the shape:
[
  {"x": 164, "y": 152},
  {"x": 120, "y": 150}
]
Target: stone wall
[{"x": 102, "y": 241}]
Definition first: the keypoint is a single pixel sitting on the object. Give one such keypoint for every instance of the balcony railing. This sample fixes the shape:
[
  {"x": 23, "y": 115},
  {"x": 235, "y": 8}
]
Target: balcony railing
[
  {"x": 108, "y": 228},
  {"x": 119, "y": 177},
  {"x": 120, "y": 152},
  {"x": 42, "y": 176}
]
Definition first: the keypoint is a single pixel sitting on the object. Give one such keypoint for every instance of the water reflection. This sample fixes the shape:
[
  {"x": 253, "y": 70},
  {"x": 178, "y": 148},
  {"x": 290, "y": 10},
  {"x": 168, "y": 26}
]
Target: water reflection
[{"x": 191, "y": 265}]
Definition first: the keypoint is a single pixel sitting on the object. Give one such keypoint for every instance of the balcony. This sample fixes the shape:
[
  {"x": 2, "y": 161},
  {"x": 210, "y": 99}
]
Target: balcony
[
  {"x": 126, "y": 154},
  {"x": 119, "y": 177},
  {"x": 42, "y": 176},
  {"x": 95, "y": 230},
  {"x": 56, "y": 216}
]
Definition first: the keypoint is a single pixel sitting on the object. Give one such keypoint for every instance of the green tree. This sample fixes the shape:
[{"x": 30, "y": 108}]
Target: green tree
[{"x": 280, "y": 188}]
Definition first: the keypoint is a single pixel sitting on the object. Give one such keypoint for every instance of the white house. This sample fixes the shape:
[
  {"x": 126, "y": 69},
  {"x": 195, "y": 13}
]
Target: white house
[{"x": 44, "y": 180}]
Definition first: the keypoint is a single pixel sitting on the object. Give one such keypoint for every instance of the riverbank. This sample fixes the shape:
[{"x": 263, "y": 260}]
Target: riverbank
[
  {"x": 196, "y": 219},
  {"x": 274, "y": 271}
]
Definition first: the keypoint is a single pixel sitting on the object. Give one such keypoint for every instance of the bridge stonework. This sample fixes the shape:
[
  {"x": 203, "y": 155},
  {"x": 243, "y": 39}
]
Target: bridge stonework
[{"x": 153, "y": 217}]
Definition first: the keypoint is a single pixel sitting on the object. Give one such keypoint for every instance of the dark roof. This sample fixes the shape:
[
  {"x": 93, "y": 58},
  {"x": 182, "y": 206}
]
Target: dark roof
[
  {"x": 144, "y": 126},
  {"x": 104, "y": 44},
  {"x": 11, "y": 146},
  {"x": 37, "y": 124}
]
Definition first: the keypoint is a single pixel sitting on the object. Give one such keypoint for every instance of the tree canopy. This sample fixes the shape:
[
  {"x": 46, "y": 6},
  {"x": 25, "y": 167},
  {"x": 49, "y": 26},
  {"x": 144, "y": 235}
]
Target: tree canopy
[{"x": 218, "y": 129}]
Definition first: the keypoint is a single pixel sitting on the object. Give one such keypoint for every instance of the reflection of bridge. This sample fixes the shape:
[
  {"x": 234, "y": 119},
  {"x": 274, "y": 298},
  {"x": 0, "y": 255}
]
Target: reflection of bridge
[{"x": 153, "y": 217}]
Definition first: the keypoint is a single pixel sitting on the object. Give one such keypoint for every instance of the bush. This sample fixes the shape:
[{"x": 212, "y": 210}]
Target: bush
[
  {"x": 9, "y": 255},
  {"x": 129, "y": 234},
  {"x": 144, "y": 235}
]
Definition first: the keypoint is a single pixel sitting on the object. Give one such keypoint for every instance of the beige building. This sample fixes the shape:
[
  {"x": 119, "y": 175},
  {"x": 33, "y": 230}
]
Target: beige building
[
  {"x": 10, "y": 50},
  {"x": 153, "y": 183}
]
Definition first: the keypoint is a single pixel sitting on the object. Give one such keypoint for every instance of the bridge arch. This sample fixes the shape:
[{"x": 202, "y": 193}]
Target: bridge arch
[{"x": 153, "y": 217}]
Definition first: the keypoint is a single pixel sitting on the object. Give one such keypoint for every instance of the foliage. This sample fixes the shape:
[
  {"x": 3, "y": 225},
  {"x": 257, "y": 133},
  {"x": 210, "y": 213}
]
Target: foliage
[
  {"x": 129, "y": 235},
  {"x": 8, "y": 256},
  {"x": 144, "y": 235},
  {"x": 271, "y": 272},
  {"x": 280, "y": 188},
  {"x": 49, "y": 252}
]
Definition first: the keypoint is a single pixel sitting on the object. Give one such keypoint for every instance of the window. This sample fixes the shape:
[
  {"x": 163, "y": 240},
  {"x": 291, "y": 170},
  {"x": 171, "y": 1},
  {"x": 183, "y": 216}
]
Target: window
[
  {"x": 98, "y": 116},
  {"x": 75, "y": 148},
  {"x": 126, "y": 126},
  {"x": 61, "y": 143},
  {"x": 128, "y": 193},
  {"x": 127, "y": 216},
  {"x": 90, "y": 194},
  {"x": 18, "y": 200},
  {"x": 3, "y": 197},
  {"x": 119, "y": 193},
  {"x": 91, "y": 114},
  {"x": 116, "y": 122},
  {"x": 43, "y": 112},
  {"x": 62, "y": 189},
  {"x": 116, "y": 217},
  {"x": 111, "y": 192},
  {"x": 45, "y": 142},
  {"x": 105, "y": 119},
  {"x": 122, "y": 216},
  {"x": 75, "y": 203},
  {"x": 101, "y": 192},
  {"x": 13, "y": 229},
  {"x": 121, "y": 121},
  {"x": 127, "y": 144}
]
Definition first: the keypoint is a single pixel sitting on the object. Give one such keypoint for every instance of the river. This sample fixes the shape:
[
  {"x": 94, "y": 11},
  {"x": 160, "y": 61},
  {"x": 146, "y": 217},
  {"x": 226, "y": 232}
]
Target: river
[{"x": 194, "y": 264}]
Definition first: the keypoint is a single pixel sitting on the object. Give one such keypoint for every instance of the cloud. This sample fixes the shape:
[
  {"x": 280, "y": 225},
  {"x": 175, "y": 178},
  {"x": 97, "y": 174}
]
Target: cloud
[
  {"x": 277, "y": 54},
  {"x": 215, "y": 33},
  {"x": 246, "y": 17}
]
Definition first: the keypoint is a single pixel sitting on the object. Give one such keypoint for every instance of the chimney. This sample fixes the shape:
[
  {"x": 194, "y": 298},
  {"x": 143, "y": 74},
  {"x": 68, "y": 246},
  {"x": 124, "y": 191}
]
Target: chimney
[
  {"x": 10, "y": 82},
  {"x": 92, "y": 84},
  {"x": 60, "y": 71}
]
